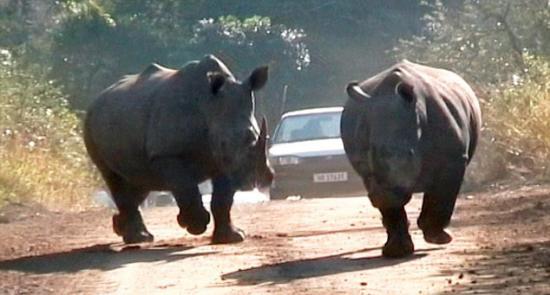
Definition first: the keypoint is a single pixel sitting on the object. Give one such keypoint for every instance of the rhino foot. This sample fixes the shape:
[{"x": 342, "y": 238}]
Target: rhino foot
[
  {"x": 227, "y": 235},
  {"x": 439, "y": 237},
  {"x": 195, "y": 221},
  {"x": 132, "y": 231},
  {"x": 138, "y": 237},
  {"x": 398, "y": 246}
]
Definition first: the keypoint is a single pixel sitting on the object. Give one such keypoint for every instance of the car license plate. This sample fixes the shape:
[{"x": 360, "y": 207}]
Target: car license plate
[{"x": 330, "y": 177}]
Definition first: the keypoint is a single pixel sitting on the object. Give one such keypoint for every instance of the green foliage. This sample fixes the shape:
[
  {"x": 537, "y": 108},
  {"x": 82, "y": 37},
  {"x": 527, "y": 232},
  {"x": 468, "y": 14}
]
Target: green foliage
[
  {"x": 96, "y": 49},
  {"x": 41, "y": 148},
  {"x": 483, "y": 40},
  {"x": 32, "y": 109},
  {"x": 519, "y": 115},
  {"x": 249, "y": 42},
  {"x": 254, "y": 36},
  {"x": 169, "y": 21},
  {"x": 11, "y": 32}
]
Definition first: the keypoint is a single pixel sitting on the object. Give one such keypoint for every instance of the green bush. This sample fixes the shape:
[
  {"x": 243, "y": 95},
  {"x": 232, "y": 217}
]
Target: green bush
[
  {"x": 519, "y": 116},
  {"x": 41, "y": 150}
]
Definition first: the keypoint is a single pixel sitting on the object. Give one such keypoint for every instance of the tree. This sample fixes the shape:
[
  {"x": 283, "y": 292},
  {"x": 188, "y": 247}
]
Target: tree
[
  {"x": 96, "y": 49},
  {"x": 483, "y": 40},
  {"x": 247, "y": 43}
]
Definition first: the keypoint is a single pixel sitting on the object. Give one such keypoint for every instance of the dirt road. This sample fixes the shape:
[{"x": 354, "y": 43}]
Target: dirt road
[{"x": 317, "y": 246}]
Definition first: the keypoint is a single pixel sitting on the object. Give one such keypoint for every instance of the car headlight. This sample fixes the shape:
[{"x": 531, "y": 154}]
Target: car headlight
[{"x": 288, "y": 160}]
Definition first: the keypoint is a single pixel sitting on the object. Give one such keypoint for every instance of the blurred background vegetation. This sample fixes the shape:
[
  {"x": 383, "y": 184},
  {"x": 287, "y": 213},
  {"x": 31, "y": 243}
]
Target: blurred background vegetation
[{"x": 55, "y": 56}]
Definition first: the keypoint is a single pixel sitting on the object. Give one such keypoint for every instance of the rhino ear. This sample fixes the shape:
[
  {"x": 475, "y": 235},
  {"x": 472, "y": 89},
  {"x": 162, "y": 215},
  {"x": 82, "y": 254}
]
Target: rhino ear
[
  {"x": 216, "y": 81},
  {"x": 405, "y": 91},
  {"x": 355, "y": 92},
  {"x": 258, "y": 78}
]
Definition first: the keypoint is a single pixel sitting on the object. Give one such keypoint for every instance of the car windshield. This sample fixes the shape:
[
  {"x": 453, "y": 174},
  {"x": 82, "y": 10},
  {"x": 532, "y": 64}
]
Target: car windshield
[{"x": 308, "y": 127}]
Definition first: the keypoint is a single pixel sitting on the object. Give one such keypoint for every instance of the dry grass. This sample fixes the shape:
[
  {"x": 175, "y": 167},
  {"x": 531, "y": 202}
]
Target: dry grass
[
  {"x": 44, "y": 177},
  {"x": 42, "y": 155},
  {"x": 516, "y": 137},
  {"x": 524, "y": 124}
]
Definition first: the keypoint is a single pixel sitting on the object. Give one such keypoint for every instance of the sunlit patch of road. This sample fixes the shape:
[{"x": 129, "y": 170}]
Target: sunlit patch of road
[{"x": 102, "y": 197}]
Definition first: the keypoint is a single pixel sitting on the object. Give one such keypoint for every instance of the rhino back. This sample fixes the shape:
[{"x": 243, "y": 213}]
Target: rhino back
[
  {"x": 448, "y": 107},
  {"x": 457, "y": 106},
  {"x": 117, "y": 121},
  {"x": 452, "y": 110}
]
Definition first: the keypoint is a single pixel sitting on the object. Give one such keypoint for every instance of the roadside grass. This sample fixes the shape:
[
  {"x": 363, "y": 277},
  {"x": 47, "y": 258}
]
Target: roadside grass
[
  {"x": 516, "y": 133},
  {"x": 42, "y": 155},
  {"x": 44, "y": 177}
]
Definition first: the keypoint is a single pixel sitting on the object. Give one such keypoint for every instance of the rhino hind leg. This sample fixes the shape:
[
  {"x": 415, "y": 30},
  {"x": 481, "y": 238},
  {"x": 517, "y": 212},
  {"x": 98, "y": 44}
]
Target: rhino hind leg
[
  {"x": 438, "y": 205},
  {"x": 399, "y": 243},
  {"x": 131, "y": 227},
  {"x": 128, "y": 223},
  {"x": 222, "y": 201}
]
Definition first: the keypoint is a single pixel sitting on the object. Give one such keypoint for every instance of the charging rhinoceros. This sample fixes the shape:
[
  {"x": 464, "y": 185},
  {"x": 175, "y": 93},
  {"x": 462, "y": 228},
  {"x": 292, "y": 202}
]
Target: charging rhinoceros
[
  {"x": 411, "y": 128},
  {"x": 167, "y": 129}
]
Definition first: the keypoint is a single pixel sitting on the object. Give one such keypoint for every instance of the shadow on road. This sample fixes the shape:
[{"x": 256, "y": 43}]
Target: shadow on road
[
  {"x": 285, "y": 272},
  {"x": 98, "y": 257}
]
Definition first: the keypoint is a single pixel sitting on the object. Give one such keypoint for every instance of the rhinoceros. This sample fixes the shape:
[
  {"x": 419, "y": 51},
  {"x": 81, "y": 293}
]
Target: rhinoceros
[
  {"x": 170, "y": 129},
  {"x": 411, "y": 128}
]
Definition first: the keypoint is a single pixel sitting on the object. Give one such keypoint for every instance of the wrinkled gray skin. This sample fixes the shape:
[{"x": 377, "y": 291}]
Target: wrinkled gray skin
[
  {"x": 411, "y": 128},
  {"x": 168, "y": 129}
]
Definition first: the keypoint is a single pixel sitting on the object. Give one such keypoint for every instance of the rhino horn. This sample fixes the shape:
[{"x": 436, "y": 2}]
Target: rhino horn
[
  {"x": 264, "y": 173},
  {"x": 262, "y": 139},
  {"x": 354, "y": 91}
]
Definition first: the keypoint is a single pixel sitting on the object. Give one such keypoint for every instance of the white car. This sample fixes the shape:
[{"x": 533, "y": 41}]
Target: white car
[{"x": 308, "y": 156}]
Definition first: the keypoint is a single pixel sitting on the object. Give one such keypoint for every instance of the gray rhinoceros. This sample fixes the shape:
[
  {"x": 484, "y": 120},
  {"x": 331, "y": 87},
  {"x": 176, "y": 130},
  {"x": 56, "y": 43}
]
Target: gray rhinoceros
[
  {"x": 167, "y": 129},
  {"x": 411, "y": 128}
]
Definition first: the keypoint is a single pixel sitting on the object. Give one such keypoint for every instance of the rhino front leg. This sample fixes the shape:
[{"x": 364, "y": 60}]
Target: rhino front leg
[
  {"x": 438, "y": 204},
  {"x": 128, "y": 223},
  {"x": 179, "y": 177},
  {"x": 394, "y": 219},
  {"x": 399, "y": 243},
  {"x": 193, "y": 216},
  {"x": 222, "y": 200}
]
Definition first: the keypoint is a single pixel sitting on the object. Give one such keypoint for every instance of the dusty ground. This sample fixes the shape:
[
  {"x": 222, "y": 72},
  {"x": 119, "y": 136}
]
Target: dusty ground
[{"x": 320, "y": 246}]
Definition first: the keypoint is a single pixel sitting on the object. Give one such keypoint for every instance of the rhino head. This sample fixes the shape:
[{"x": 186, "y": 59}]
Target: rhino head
[
  {"x": 392, "y": 124},
  {"x": 237, "y": 142}
]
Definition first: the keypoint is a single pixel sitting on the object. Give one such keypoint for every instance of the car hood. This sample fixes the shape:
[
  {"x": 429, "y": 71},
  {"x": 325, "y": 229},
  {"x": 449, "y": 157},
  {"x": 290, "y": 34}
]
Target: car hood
[{"x": 308, "y": 148}]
